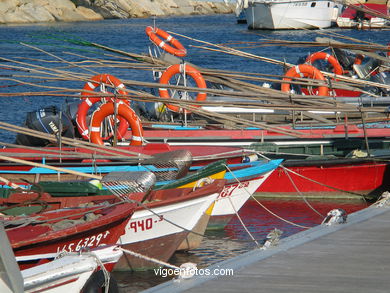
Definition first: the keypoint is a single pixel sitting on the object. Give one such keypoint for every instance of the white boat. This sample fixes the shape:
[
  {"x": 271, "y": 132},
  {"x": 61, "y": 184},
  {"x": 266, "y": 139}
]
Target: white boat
[
  {"x": 235, "y": 194},
  {"x": 290, "y": 14},
  {"x": 74, "y": 272},
  {"x": 352, "y": 18},
  {"x": 158, "y": 231}
]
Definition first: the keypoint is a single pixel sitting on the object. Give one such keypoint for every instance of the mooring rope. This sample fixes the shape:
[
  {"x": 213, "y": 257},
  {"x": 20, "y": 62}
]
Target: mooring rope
[
  {"x": 312, "y": 180},
  {"x": 148, "y": 258},
  {"x": 264, "y": 207},
  {"x": 301, "y": 194}
]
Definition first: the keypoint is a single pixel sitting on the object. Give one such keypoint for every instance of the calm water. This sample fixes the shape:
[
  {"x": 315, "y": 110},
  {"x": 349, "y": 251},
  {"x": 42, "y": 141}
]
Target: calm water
[{"x": 128, "y": 35}]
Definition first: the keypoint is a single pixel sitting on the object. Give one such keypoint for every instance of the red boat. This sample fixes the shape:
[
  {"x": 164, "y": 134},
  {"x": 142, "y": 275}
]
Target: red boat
[
  {"x": 328, "y": 178},
  {"x": 243, "y": 137},
  {"x": 36, "y": 239},
  {"x": 147, "y": 232},
  {"x": 370, "y": 15}
]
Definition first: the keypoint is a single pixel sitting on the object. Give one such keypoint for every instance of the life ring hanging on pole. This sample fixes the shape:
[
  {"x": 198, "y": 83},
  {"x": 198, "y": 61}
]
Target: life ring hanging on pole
[
  {"x": 123, "y": 111},
  {"x": 85, "y": 105},
  {"x": 337, "y": 68},
  {"x": 305, "y": 70},
  {"x": 175, "y": 48},
  {"x": 183, "y": 69}
]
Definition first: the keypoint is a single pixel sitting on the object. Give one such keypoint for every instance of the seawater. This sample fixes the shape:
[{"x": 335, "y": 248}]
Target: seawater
[{"x": 129, "y": 35}]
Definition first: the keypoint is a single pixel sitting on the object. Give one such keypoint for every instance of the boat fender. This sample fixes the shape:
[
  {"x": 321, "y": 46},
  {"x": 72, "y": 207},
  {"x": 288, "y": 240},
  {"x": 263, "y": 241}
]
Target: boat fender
[
  {"x": 88, "y": 101},
  {"x": 175, "y": 48},
  {"x": 250, "y": 158},
  {"x": 123, "y": 111},
  {"x": 184, "y": 69},
  {"x": 96, "y": 283},
  {"x": 97, "y": 183},
  {"x": 337, "y": 69},
  {"x": 304, "y": 70}
]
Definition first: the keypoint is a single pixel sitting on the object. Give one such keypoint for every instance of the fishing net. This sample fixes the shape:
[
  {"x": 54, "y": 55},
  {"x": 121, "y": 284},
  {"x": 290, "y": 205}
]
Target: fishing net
[
  {"x": 169, "y": 165},
  {"x": 121, "y": 184}
]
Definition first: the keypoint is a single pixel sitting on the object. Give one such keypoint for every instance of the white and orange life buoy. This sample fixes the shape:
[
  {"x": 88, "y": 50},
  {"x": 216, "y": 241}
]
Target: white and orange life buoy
[
  {"x": 186, "y": 70},
  {"x": 175, "y": 48},
  {"x": 337, "y": 68},
  {"x": 123, "y": 111},
  {"x": 305, "y": 70},
  {"x": 82, "y": 111}
]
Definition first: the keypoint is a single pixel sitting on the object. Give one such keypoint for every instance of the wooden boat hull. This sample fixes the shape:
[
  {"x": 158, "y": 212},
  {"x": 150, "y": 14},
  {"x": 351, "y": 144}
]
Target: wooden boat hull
[
  {"x": 245, "y": 137},
  {"x": 368, "y": 179},
  {"x": 145, "y": 226},
  {"x": 71, "y": 272},
  {"x": 33, "y": 244}
]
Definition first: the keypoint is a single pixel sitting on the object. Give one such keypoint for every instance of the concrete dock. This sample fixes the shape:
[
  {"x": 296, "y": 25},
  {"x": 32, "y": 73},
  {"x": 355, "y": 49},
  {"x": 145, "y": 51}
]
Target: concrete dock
[{"x": 350, "y": 257}]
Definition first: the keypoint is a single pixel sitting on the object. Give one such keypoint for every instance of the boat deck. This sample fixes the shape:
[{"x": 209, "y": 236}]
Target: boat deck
[{"x": 351, "y": 257}]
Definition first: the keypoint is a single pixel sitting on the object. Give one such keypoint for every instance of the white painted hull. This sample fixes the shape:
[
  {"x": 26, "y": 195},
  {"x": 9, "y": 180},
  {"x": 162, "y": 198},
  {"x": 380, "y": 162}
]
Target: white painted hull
[
  {"x": 144, "y": 225},
  {"x": 234, "y": 196},
  {"x": 375, "y": 22},
  {"x": 289, "y": 14},
  {"x": 68, "y": 273}
]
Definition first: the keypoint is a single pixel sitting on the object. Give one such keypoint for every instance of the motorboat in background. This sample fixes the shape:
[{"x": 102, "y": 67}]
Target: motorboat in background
[
  {"x": 364, "y": 16},
  {"x": 290, "y": 14}
]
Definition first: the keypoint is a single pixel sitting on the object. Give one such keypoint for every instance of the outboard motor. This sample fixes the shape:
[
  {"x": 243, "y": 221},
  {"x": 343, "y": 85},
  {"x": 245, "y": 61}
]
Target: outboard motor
[
  {"x": 345, "y": 58},
  {"x": 47, "y": 120},
  {"x": 382, "y": 78}
]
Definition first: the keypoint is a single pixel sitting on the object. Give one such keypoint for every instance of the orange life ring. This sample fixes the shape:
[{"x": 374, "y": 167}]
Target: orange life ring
[
  {"x": 176, "y": 48},
  {"x": 305, "y": 70},
  {"x": 82, "y": 111},
  {"x": 337, "y": 68},
  {"x": 180, "y": 69},
  {"x": 124, "y": 111}
]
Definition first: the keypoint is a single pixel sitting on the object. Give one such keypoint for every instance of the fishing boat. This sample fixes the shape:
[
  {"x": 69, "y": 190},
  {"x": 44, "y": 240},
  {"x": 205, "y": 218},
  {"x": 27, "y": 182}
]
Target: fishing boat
[
  {"x": 328, "y": 169},
  {"x": 36, "y": 239},
  {"x": 290, "y": 14},
  {"x": 73, "y": 272},
  {"x": 157, "y": 227},
  {"x": 364, "y": 16},
  {"x": 241, "y": 185},
  {"x": 244, "y": 137}
]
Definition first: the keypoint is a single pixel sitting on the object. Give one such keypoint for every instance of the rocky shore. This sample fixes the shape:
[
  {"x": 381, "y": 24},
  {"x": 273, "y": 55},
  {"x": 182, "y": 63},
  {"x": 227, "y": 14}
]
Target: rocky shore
[{"x": 33, "y": 11}]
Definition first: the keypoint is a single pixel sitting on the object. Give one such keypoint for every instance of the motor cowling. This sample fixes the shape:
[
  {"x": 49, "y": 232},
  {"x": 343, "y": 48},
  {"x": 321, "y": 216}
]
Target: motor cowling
[{"x": 48, "y": 120}]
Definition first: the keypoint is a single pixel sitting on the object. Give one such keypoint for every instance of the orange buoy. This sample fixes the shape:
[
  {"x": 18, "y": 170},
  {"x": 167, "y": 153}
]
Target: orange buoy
[
  {"x": 175, "y": 48},
  {"x": 123, "y": 111},
  {"x": 337, "y": 68},
  {"x": 82, "y": 111},
  {"x": 305, "y": 70},
  {"x": 186, "y": 70}
]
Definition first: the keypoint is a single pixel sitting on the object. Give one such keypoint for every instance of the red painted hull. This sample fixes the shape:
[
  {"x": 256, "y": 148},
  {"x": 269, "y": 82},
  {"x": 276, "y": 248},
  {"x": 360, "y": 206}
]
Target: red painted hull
[
  {"x": 227, "y": 136},
  {"x": 42, "y": 241},
  {"x": 201, "y": 155},
  {"x": 363, "y": 178}
]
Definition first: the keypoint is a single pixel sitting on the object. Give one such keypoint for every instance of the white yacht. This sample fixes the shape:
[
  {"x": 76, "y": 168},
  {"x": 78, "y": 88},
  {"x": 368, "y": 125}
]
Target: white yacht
[{"x": 290, "y": 14}]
